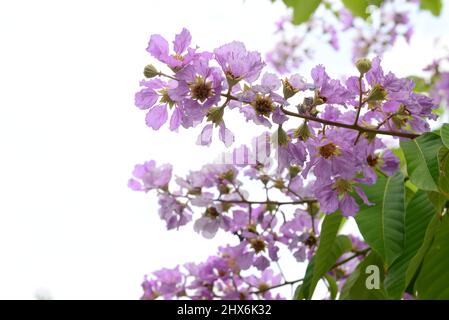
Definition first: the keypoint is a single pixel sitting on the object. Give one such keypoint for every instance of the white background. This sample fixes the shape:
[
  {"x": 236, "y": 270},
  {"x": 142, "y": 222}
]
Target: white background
[{"x": 70, "y": 136}]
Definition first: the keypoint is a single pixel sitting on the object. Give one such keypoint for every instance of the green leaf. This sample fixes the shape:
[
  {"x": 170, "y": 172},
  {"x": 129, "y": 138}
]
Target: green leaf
[
  {"x": 443, "y": 160},
  {"x": 445, "y": 134},
  {"x": 419, "y": 212},
  {"x": 355, "y": 287},
  {"x": 382, "y": 225},
  {"x": 433, "y": 278},
  {"x": 433, "y": 6},
  {"x": 302, "y": 292},
  {"x": 357, "y": 7},
  {"x": 331, "y": 247},
  {"x": 302, "y": 9},
  {"x": 331, "y": 285},
  {"x": 416, "y": 261},
  {"x": 375, "y": 2},
  {"x": 422, "y": 160}
]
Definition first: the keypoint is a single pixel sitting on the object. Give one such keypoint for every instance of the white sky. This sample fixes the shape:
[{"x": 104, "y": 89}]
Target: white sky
[{"x": 70, "y": 136}]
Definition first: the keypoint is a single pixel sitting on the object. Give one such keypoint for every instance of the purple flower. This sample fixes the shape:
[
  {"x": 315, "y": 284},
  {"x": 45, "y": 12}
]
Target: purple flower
[
  {"x": 330, "y": 157},
  {"x": 329, "y": 90},
  {"x": 173, "y": 212},
  {"x": 299, "y": 234},
  {"x": 148, "y": 176},
  {"x": 263, "y": 283},
  {"x": 440, "y": 90},
  {"x": 201, "y": 82},
  {"x": 335, "y": 194},
  {"x": 158, "y": 47},
  {"x": 224, "y": 134},
  {"x": 398, "y": 100},
  {"x": 209, "y": 223},
  {"x": 157, "y": 90},
  {"x": 238, "y": 63},
  {"x": 333, "y": 41},
  {"x": 346, "y": 19}
]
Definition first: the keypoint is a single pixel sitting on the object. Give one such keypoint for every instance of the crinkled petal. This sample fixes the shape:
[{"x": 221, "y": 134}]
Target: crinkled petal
[
  {"x": 156, "y": 117},
  {"x": 182, "y": 41}
]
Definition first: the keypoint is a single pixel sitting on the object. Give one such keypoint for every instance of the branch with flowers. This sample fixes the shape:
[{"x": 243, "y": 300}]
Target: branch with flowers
[{"x": 315, "y": 175}]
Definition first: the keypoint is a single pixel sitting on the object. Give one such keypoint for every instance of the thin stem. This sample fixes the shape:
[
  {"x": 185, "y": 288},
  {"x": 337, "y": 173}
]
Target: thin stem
[
  {"x": 276, "y": 203},
  {"x": 350, "y": 126},
  {"x": 355, "y": 255},
  {"x": 277, "y": 286},
  {"x": 359, "y": 109}
]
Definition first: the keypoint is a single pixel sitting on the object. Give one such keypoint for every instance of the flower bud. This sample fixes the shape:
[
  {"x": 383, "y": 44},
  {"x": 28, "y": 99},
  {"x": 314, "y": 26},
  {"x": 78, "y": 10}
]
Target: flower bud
[
  {"x": 282, "y": 137},
  {"x": 265, "y": 179},
  {"x": 294, "y": 170},
  {"x": 215, "y": 115},
  {"x": 288, "y": 89},
  {"x": 363, "y": 65},
  {"x": 150, "y": 71},
  {"x": 377, "y": 93},
  {"x": 303, "y": 132},
  {"x": 279, "y": 184}
]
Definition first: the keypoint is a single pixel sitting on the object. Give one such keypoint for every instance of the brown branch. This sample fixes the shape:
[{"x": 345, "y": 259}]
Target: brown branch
[{"x": 350, "y": 126}]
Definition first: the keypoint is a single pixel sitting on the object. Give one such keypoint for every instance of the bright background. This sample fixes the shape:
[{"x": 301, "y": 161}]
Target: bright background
[{"x": 70, "y": 136}]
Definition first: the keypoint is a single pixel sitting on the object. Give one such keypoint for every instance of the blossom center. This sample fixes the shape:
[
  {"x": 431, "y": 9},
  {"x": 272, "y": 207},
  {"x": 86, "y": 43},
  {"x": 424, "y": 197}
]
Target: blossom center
[
  {"x": 310, "y": 241},
  {"x": 201, "y": 89},
  {"x": 179, "y": 57},
  {"x": 165, "y": 98},
  {"x": 372, "y": 160},
  {"x": 328, "y": 150},
  {"x": 212, "y": 212},
  {"x": 257, "y": 244},
  {"x": 342, "y": 186},
  {"x": 263, "y": 287},
  {"x": 263, "y": 105}
]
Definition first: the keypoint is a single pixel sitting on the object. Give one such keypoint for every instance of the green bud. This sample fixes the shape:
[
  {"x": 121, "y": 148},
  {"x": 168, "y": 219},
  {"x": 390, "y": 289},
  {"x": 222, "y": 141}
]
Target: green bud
[
  {"x": 282, "y": 137},
  {"x": 363, "y": 65},
  {"x": 303, "y": 132},
  {"x": 215, "y": 115},
  {"x": 150, "y": 71},
  {"x": 318, "y": 99},
  {"x": 232, "y": 81},
  {"x": 288, "y": 89},
  {"x": 399, "y": 120},
  {"x": 265, "y": 179},
  {"x": 369, "y": 135},
  {"x": 313, "y": 208},
  {"x": 377, "y": 93},
  {"x": 294, "y": 170},
  {"x": 279, "y": 184},
  {"x": 225, "y": 206},
  {"x": 270, "y": 206}
]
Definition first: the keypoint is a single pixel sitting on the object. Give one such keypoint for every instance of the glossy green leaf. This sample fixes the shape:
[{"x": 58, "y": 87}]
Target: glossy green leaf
[
  {"x": 357, "y": 7},
  {"x": 443, "y": 160},
  {"x": 331, "y": 247},
  {"x": 382, "y": 225},
  {"x": 416, "y": 261},
  {"x": 355, "y": 287},
  {"x": 433, "y": 278},
  {"x": 331, "y": 286},
  {"x": 445, "y": 134},
  {"x": 419, "y": 212},
  {"x": 433, "y": 6},
  {"x": 421, "y": 155},
  {"x": 302, "y": 9}
]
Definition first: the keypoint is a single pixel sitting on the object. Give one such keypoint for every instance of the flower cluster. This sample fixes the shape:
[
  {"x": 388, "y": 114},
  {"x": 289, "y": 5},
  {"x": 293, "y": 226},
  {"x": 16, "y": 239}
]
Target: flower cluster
[
  {"x": 369, "y": 37},
  {"x": 321, "y": 162}
]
